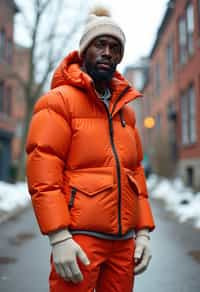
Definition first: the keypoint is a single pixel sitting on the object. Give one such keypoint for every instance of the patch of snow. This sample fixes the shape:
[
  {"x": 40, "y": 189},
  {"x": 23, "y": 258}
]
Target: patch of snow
[
  {"x": 178, "y": 198},
  {"x": 152, "y": 182},
  {"x": 13, "y": 196}
]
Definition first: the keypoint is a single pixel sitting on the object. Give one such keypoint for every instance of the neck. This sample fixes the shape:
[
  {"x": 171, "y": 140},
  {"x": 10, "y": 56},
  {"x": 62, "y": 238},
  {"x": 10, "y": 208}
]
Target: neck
[{"x": 101, "y": 86}]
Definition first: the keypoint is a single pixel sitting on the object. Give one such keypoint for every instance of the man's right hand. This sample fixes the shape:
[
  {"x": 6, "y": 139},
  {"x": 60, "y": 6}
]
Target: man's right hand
[{"x": 65, "y": 253}]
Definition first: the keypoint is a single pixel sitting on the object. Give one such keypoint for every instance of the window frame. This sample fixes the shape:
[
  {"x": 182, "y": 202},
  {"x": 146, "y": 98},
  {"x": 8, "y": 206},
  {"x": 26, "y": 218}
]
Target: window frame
[
  {"x": 2, "y": 93},
  {"x": 170, "y": 60},
  {"x": 158, "y": 121},
  {"x": 182, "y": 35},
  {"x": 188, "y": 116},
  {"x": 184, "y": 119},
  {"x": 157, "y": 79},
  {"x": 192, "y": 114},
  {"x": 198, "y": 8},
  {"x": 8, "y": 100},
  {"x": 9, "y": 51},
  {"x": 2, "y": 44},
  {"x": 190, "y": 30}
]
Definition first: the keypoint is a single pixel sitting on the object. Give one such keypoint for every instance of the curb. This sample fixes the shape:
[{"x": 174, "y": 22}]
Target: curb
[{"x": 5, "y": 216}]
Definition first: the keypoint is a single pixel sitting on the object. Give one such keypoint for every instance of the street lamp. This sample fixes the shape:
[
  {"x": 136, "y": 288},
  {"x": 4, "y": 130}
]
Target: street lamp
[{"x": 149, "y": 122}]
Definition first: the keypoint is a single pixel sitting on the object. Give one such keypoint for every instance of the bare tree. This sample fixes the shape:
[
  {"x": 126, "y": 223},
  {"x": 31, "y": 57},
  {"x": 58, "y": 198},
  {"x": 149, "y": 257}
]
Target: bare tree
[{"x": 48, "y": 41}]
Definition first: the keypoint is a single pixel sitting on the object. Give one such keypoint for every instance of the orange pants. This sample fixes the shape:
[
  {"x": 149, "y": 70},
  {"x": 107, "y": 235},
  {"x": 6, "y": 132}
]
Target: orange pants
[{"x": 111, "y": 267}]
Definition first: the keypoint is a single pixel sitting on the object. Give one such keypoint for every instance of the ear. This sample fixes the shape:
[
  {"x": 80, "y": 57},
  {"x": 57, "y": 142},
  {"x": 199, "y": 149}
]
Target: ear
[
  {"x": 121, "y": 54},
  {"x": 120, "y": 57}
]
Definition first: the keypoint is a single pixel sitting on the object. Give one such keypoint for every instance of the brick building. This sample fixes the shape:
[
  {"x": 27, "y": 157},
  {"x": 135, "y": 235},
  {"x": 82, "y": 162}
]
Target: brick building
[
  {"x": 136, "y": 74},
  {"x": 7, "y": 122},
  {"x": 172, "y": 93},
  {"x": 21, "y": 66}
]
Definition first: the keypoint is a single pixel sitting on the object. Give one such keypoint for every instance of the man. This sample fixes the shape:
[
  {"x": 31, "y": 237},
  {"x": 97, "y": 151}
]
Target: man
[{"x": 84, "y": 169}]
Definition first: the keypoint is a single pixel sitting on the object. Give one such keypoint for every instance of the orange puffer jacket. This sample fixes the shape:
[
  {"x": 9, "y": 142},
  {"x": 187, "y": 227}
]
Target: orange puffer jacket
[{"x": 83, "y": 164}]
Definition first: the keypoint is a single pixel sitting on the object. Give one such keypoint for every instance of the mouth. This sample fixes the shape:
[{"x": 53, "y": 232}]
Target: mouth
[{"x": 104, "y": 66}]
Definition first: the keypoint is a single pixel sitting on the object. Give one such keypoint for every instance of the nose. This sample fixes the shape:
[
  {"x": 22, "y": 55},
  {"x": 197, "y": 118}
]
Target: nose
[{"x": 107, "y": 52}]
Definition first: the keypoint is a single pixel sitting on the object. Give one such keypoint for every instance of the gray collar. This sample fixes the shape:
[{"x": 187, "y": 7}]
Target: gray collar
[{"x": 106, "y": 95}]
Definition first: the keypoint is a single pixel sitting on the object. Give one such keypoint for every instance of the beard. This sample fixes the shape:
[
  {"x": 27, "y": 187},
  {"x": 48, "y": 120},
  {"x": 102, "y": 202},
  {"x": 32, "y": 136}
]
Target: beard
[{"x": 99, "y": 74}]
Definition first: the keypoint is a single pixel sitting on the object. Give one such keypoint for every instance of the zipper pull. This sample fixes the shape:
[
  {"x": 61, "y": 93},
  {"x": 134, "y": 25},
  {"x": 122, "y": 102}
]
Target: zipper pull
[
  {"x": 73, "y": 194},
  {"x": 123, "y": 122}
]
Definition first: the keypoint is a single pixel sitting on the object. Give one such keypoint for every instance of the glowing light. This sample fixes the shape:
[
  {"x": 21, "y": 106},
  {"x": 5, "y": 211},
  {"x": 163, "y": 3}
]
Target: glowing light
[{"x": 149, "y": 122}]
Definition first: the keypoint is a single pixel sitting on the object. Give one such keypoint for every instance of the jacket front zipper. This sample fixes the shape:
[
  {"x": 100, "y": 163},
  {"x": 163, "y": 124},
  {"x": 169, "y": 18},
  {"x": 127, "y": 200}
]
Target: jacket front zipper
[
  {"x": 71, "y": 201},
  {"x": 111, "y": 132}
]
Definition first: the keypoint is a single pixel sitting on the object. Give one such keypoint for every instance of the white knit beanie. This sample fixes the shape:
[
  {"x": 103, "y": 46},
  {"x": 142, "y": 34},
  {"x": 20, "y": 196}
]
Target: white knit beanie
[{"x": 98, "y": 26}]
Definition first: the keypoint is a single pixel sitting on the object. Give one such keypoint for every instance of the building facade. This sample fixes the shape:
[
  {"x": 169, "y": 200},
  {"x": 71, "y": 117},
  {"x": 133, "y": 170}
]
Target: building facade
[
  {"x": 136, "y": 74},
  {"x": 7, "y": 122},
  {"x": 172, "y": 93},
  {"x": 21, "y": 66}
]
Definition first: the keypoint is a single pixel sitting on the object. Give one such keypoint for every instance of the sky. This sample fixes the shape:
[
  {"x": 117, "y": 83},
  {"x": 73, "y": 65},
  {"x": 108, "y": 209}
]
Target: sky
[{"x": 139, "y": 19}]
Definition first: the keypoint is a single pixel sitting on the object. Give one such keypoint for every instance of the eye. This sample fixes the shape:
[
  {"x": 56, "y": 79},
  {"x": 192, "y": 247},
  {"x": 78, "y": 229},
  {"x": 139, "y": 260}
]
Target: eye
[
  {"x": 116, "y": 48},
  {"x": 99, "y": 44}
]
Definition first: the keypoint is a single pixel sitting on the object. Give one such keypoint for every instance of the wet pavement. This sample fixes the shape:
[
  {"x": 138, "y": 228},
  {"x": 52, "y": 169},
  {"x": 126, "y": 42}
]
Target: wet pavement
[
  {"x": 24, "y": 255},
  {"x": 175, "y": 266}
]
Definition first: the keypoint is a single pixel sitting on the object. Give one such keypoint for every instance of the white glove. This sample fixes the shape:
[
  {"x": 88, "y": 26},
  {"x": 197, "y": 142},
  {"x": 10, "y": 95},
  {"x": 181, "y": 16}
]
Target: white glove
[
  {"x": 64, "y": 251},
  {"x": 142, "y": 255}
]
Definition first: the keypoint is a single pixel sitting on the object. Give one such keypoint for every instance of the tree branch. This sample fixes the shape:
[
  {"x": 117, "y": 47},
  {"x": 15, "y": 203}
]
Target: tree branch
[
  {"x": 39, "y": 10},
  {"x": 40, "y": 86},
  {"x": 44, "y": 5}
]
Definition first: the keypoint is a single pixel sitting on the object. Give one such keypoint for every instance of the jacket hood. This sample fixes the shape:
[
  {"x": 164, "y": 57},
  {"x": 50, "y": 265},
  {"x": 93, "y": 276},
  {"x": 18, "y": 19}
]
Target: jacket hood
[{"x": 69, "y": 73}]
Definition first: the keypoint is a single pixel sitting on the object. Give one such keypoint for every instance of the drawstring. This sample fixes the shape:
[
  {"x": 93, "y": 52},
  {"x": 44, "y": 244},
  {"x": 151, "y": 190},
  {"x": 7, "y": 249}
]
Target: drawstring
[{"x": 123, "y": 122}]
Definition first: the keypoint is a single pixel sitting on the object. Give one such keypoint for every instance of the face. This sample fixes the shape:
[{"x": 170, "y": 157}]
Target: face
[{"x": 102, "y": 57}]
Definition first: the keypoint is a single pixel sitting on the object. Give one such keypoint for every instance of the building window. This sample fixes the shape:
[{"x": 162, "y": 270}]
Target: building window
[
  {"x": 158, "y": 121},
  {"x": 184, "y": 119},
  {"x": 189, "y": 176},
  {"x": 157, "y": 80},
  {"x": 7, "y": 100},
  {"x": 172, "y": 116},
  {"x": 1, "y": 95},
  {"x": 188, "y": 116},
  {"x": 182, "y": 41},
  {"x": 169, "y": 58},
  {"x": 199, "y": 13},
  {"x": 9, "y": 51},
  {"x": 190, "y": 28},
  {"x": 2, "y": 44},
  {"x": 19, "y": 129},
  {"x": 192, "y": 114}
]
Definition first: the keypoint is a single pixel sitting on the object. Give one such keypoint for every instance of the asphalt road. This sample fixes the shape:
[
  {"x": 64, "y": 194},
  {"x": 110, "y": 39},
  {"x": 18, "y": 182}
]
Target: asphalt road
[{"x": 175, "y": 266}]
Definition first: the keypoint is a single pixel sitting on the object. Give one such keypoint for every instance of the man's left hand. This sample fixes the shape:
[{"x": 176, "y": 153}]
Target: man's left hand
[{"x": 142, "y": 255}]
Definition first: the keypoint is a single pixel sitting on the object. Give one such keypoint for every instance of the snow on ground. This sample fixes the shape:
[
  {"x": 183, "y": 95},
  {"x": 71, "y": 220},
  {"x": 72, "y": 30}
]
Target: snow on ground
[
  {"x": 13, "y": 196},
  {"x": 179, "y": 199}
]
